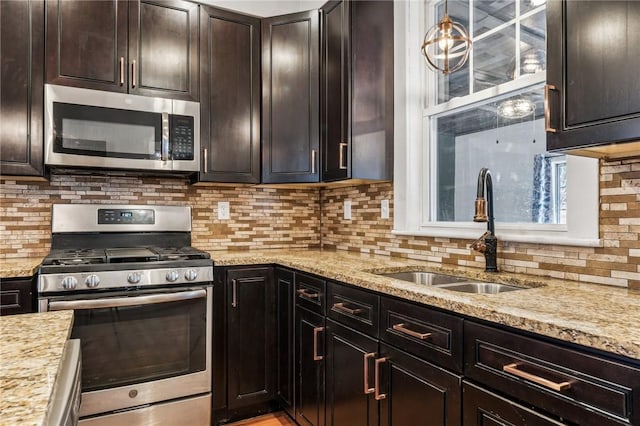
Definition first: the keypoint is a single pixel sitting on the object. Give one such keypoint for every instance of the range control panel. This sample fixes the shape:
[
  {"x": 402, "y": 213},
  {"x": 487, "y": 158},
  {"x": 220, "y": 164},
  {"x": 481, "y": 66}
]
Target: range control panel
[{"x": 126, "y": 216}]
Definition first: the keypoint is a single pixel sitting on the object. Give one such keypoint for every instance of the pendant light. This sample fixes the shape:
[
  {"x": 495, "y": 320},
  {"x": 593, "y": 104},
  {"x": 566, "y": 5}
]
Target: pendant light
[{"x": 446, "y": 45}]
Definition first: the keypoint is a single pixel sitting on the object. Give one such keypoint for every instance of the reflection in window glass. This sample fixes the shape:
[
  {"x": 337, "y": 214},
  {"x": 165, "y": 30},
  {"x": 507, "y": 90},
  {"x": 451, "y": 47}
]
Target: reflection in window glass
[
  {"x": 491, "y": 14},
  {"x": 492, "y": 56},
  {"x": 456, "y": 84},
  {"x": 529, "y": 184}
]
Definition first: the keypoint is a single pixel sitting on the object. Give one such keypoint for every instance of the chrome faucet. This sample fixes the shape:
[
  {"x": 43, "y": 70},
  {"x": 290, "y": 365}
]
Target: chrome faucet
[{"x": 487, "y": 243}]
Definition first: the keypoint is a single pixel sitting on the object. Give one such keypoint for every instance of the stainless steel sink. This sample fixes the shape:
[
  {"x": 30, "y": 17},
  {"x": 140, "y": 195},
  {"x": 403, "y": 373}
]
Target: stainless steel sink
[
  {"x": 479, "y": 287},
  {"x": 425, "y": 278},
  {"x": 453, "y": 283}
]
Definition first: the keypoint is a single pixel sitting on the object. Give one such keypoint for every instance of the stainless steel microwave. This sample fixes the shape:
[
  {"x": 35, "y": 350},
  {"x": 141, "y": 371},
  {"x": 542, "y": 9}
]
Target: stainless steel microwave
[{"x": 95, "y": 129}]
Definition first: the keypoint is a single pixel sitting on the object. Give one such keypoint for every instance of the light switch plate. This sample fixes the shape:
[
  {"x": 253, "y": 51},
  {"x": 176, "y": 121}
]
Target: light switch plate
[
  {"x": 223, "y": 210},
  {"x": 347, "y": 209},
  {"x": 384, "y": 209}
]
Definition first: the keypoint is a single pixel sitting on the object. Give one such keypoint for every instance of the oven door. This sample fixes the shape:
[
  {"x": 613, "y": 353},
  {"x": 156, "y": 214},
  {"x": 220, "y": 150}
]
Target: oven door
[{"x": 141, "y": 347}]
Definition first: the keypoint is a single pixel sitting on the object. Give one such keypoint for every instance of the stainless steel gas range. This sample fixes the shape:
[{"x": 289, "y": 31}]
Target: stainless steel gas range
[{"x": 142, "y": 302}]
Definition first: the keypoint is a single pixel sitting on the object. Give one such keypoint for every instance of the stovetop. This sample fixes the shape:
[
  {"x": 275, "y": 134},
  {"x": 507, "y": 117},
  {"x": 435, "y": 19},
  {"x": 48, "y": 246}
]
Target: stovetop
[{"x": 122, "y": 255}]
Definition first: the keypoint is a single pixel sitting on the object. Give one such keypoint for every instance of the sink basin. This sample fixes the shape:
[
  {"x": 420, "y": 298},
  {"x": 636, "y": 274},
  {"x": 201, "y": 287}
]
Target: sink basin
[
  {"x": 479, "y": 287},
  {"x": 425, "y": 278},
  {"x": 450, "y": 282}
]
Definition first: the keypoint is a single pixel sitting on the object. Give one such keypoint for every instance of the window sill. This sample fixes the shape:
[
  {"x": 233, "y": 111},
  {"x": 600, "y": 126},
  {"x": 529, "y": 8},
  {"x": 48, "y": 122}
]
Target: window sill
[{"x": 534, "y": 237}]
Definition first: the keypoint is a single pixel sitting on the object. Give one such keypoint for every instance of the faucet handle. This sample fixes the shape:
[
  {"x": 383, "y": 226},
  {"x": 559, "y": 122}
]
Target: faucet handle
[{"x": 479, "y": 244}]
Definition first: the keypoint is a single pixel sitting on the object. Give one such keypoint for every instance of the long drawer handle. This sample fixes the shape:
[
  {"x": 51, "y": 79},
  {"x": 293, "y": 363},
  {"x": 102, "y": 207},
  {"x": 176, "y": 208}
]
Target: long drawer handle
[
  {"x": 234, "y": 294},
  {"x": 513, "y": 369},
  {"x": 367, "y": 357},
  {"x": 402, "y": 329},
  {"x": 316, "y": 331},
  {"x": 303, "y": 292},
  {"x": 376, "y": 380},
  {"x": 341, "y": 307},
  {"x": 547, "y": 109}
]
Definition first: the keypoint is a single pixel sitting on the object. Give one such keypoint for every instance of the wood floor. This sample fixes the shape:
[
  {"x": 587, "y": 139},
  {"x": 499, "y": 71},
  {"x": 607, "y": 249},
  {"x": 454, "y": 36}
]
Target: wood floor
[{"x": 274, "y": 419}]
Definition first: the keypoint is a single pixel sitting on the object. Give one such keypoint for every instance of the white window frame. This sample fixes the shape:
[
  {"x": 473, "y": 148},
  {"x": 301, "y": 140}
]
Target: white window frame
[{"x": 413, "y": 187}]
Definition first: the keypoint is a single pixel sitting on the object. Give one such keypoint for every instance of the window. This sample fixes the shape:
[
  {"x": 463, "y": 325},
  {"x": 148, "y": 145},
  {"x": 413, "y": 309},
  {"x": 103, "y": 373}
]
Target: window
[{"x": 489, "y": 114}]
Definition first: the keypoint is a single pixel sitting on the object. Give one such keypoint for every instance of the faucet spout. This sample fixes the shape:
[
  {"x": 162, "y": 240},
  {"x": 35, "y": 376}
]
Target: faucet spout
[{"x": 484, "y": 213}]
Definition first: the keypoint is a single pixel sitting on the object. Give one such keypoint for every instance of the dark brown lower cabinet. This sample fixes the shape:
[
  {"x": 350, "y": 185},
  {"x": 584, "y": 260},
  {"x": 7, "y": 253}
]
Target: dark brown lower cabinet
[
  {"x": 251, "y": 325},
  {"x": 416, "y": 391},
  {"x": 284, "y": 306},
  {"x": 17, "y": 296},
  {"x": 347, "y": 403},
  {"x": 484, "y": 408},
  {"x": 310, "y": 368}
]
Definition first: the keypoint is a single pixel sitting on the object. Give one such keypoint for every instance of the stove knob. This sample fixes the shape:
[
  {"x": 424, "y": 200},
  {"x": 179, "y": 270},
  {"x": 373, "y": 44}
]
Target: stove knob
[
  {"x": 134, "y": 277},
  {"x": 92, "y": 281},
  {"x": 69, "y": 283},
  {"x": 172, "y": 276},
  {"x": 190, "y": 275}
]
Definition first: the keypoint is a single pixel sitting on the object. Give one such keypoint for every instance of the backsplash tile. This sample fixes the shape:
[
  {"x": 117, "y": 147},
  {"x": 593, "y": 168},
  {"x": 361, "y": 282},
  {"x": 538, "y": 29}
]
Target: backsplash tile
[
  {"x": 616, "y": 263},
  {"x": 260, "y": 217}
]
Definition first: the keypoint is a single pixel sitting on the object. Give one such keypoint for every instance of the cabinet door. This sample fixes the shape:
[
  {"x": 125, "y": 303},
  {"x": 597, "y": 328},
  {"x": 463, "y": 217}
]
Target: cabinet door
[
  {"x": 290, "y": 98},
  {"x": 16, "y": 295},
  {"x": 21, "y": 87},
  {"x": 346, "y": 400},
  {"x": 251, "y": 336},
  {"x": 371, "y": 36},
  {"x": 335, "y": 91},
  {"x": 310, "y": 365},
  {"x": 417, "y": 392},
  {"x": 593, "y": 55},
  {"x": 229, "y": 96},
  {"x": 484, "y": 408},
  {"x": 87, "y": 44},
  {"x": 163, "y": 49},
  {"x": 285, "y": 303}
]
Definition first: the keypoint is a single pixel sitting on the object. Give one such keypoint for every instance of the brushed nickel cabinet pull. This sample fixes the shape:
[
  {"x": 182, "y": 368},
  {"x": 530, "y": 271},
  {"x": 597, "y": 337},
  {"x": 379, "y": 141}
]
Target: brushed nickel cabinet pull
[
  {"x": 367, "y": 357},
  {"x": 402, "y": 329},
  {"x": 304, "y": 293},
  {"x": 206, "y": 160},
  {"x": 313, "y": 161},
  {"x": 513, "y": 369},
  {"x": 134, "y": 80},
  {"x": 342, "y": 164},
  {"x": 547, "y": 110},
  {"x": 376, "y": 379},
  {"x": 341, "y": 307},
  {"x": 234, "y": 295},
  {"x": 121, "y": 71},
  {"x": 316, "y": 331}
]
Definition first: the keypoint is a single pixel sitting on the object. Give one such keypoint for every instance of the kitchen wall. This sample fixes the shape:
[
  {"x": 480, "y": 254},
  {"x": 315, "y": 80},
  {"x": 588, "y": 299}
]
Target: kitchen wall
[
  {"x": 260, "y": 217},
  {"x": 616, "y": 263}
]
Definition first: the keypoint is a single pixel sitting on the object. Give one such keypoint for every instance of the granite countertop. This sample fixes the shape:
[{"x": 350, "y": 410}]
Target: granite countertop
[
  {"x": 19, "y": 267},
  {"x": 31, "y": 348},
  {"x": 597, "y": 316}
]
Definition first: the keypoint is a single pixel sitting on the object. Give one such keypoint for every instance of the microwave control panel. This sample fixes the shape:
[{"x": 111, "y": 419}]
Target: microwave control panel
[{"x": 182, "y": 137}]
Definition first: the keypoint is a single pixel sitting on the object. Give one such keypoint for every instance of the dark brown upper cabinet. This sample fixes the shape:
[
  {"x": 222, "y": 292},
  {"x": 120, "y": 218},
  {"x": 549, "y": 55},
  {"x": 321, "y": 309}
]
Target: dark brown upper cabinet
[
  {"x": 357, "y": 90},
  {"x": 290, "y": 98},
  {"x": 593, "y": 53},
  {"x": 141, "y": 47},
  {"x": 229, "y": 96},
  {"x": 21, "y": 87}
]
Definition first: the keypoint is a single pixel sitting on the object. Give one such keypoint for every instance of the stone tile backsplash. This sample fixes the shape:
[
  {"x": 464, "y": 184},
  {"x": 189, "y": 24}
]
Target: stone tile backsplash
[{"x": 271, "y": 217}]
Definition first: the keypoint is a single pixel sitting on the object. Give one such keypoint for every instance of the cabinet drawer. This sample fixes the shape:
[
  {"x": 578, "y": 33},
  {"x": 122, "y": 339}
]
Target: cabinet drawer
[
  {"x": 424, "y": 332},
  {"x": 17, "y": 296},
  {"x": 353, "y": 307},
  {"x": 579, "y": 387},
  {"x": 310, "y": 292},
  {"x": 484, "y": 408}
]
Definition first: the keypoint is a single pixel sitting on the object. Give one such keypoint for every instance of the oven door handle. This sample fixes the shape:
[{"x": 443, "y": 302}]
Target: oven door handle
[{"x": 117, "y": 302}]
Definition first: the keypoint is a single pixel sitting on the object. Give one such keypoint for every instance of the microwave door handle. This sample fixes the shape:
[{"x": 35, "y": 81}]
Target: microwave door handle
[
  {"x": 117, "y": 302},
  {"x": 165, "y": 137}
]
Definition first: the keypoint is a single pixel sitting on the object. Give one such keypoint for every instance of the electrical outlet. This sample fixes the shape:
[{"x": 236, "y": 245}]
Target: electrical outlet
[
  {"x": 347, "y": 209},
  {"x": 223, "y": 210},
  {"x": 384, "y": 209}
]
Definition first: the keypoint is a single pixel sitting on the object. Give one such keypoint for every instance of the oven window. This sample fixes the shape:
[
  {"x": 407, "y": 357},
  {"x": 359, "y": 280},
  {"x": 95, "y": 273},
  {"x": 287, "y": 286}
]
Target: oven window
[
  {"x": 134, "y": 344},
  {"x": 107, "y": 132}
]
